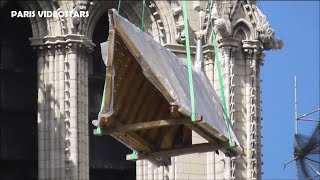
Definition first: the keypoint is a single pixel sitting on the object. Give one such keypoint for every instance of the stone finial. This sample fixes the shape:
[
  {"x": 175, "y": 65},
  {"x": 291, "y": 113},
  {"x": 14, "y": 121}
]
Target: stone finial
[
  {"x": 76, "y": 21},
  {"x": 223, "y": 27},
  {"x": 264, "y": 32},
  {"x": 181, "y": 37},
  {"x": 200, "y": 34},
  {"x": 179, "y": 23},
  {"x": 176, "y": 10}
]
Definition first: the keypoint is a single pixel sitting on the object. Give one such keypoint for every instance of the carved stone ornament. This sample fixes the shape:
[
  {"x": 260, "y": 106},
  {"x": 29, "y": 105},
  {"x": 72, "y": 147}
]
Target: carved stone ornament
[
  {"x": 265, "y": 33},
  {"x": 223, "y": 27}
]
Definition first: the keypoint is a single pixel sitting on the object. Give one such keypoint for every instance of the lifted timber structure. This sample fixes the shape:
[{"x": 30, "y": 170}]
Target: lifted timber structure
[
  {"x": 57, "y": 62},
  {"x": 146, "y": 104}
]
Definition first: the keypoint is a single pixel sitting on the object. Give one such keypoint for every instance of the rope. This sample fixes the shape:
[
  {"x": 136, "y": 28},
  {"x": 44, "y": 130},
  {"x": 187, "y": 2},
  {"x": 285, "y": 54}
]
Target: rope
[
  {"x": 142, "y": 16},
  {"x": 185, "y": 19}
]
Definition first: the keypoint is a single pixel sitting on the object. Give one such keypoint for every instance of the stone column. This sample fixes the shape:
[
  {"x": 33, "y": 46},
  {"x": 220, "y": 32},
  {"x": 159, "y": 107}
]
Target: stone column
[
  {"x": 41, "y": 111},
  {"x": 251, "y": 50},
  {"x": 208, "y": 61},
  {"x": 62, "y": 101},
  {"x": 72, "y": 112},
  {"x": 77, "y": 117},
  {"x": 260, "y": 57},
  {"x": 61, "y": 52},
  {"x": 227, "y": 48}
]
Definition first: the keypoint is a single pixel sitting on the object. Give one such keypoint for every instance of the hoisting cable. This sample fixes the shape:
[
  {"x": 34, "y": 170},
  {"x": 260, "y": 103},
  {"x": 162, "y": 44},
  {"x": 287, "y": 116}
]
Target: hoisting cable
[
  {"x": 186, "y": 30},
  {"x": 119, "y": 4},
  {"x": 217, "y": 62},
  {"x": 142, "y": 16},
  {"x": 224, "y": 104}
]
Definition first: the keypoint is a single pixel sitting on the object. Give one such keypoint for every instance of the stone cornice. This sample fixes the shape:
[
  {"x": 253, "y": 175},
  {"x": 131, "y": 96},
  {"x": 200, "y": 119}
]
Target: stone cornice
[
  {"x": 36, "y": 41},
  {"x": 178, "y": 48},
  {"x": 252, "y": 44},
  {"x": 231, "y": 42},
  {"x": 63, "y": 39},
  {"x": 208, "y": 49}
]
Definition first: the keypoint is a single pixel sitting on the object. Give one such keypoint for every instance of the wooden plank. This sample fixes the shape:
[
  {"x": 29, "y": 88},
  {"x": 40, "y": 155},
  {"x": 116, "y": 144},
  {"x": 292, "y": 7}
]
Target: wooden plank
[
  {"x": 123, "y": 98},
  {"x": 139, "y": 99},
  {"x": 133, "y": 138},
  {"x": 149, "y": 125},
  {"x": 130, "y": 139},
  {"x": 201, "y": 133},
  {"x": 156, "y": 81},
  {"x": 168, "y": 138},
  {"x": 187, "y": 135},
  {"x": 150, "y": 110},
  {"x": 213, "y": 131},
  {"x": 130, "y": 91},
  {"x": 194, "y": 126},
  {"x": 195, "y": 148}
]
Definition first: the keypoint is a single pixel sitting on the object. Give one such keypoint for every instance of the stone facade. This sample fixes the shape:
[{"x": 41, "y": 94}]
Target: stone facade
[{"x": 63, "y": 46}]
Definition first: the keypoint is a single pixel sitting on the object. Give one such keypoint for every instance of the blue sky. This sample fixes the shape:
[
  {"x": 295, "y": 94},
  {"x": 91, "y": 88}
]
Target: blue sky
[{"x": 297, "y": 24}]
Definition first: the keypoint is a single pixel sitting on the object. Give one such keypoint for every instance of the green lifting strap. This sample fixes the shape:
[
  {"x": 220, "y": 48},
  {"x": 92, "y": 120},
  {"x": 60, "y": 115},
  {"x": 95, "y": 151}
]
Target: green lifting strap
[
  {"x": 209, "y": 4},
  {"x": 185, "y": 18},
  {"x": 99, "y": 131},
  {"x": 133, "y": 155},
  {"x": 142, "y": 15},
  {"x": 119, "y": 4},
  {"x": 217, "y": 62}
]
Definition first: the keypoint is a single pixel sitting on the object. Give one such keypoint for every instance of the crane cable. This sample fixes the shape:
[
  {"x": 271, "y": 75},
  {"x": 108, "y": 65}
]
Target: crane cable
[
  {"x": 217, "y": 62},
  {"x": 119, "y": 4},
  {"x": 191, "y": 87}
]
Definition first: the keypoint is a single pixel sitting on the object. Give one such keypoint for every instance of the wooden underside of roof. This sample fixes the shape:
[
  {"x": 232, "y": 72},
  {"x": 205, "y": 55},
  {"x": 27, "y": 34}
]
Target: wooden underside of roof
[{"x": 142, "y": 118}]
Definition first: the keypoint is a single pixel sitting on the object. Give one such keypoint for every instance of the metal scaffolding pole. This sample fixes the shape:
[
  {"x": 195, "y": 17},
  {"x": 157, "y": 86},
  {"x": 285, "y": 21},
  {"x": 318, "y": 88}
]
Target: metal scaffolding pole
[
  {"x": 295, "y": 105},
  {"x": 296, "y": 118}
]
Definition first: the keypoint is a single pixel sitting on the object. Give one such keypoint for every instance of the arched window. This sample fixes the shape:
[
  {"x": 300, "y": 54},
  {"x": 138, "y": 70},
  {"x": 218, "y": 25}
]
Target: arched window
[
  {"x": 242, "y": 31},
  {"x": 240, "y": 34}
]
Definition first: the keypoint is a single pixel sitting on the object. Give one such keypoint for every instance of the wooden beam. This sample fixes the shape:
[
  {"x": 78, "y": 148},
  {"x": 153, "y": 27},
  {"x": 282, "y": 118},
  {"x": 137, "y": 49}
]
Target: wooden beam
[
  {"x": 150, "y": 125},
  {"x": 130, "y": 139},
  {"x": 204, "y": 135},
  {"x": 134, "y": 140},
  {"x": 174, "y": 111},
  {"x": 195, "y": 148},
  {"x": 146, "y": 125}
]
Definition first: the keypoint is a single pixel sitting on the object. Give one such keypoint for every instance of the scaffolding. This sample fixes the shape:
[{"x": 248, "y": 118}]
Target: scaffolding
[{"x": 306, "y": 147}]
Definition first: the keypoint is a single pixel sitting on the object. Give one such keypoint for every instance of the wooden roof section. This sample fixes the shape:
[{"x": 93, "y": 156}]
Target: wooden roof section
[{"x": 146, "y": 104}]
